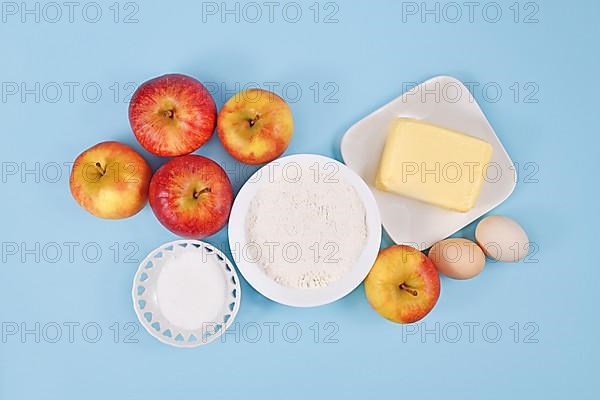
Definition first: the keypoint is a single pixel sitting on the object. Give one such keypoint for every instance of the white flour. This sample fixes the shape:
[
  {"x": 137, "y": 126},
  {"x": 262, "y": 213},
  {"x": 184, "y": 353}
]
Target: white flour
[{"x": 306, "y": 232}]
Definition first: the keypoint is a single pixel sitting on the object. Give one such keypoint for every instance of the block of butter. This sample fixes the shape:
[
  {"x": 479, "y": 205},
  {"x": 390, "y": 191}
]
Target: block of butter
[{"x": 433, "y": 164}]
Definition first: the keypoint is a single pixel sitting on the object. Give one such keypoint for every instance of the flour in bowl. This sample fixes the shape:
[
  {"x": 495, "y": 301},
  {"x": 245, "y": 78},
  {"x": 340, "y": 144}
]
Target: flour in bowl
[{"x": 306, "y": 230}]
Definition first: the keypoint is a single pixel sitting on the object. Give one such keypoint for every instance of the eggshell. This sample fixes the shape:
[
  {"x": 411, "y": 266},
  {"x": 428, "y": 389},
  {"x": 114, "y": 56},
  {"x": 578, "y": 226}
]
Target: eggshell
[
  {"x": 502, "y": 238},
  {"x": 457, "y": 258}
]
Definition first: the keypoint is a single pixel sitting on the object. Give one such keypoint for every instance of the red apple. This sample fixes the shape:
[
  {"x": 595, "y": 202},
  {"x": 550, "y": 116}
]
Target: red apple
[
  {"x": 172, "y": 115},
  {"x": 191, "y": 196},
  {"x": 110, "y": 180},
  {"x": 403, "y": 285},
  {"x": 255, "y": 126}
]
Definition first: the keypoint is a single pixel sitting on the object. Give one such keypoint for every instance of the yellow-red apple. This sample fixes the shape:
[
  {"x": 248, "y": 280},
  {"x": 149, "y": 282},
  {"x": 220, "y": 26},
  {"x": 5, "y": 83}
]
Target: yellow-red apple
[
  {"x": 403, "y": 285},
  {"x": 255, "y": 126},
  {"x": 110, "y": 180}
]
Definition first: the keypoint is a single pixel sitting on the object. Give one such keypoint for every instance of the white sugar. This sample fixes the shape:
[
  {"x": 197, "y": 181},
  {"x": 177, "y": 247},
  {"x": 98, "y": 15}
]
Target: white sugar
[{"x": 191, "y": 290}]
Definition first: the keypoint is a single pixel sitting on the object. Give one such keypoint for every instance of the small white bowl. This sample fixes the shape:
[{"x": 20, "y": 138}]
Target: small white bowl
[
  {"x": 311, "y": 297},
  {"x": 186, "y": 293}
]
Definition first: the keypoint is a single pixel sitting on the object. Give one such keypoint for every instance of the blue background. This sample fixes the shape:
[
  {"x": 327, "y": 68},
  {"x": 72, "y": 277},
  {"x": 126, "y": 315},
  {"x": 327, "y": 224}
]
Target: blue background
[{"x": 358, "y": 63}]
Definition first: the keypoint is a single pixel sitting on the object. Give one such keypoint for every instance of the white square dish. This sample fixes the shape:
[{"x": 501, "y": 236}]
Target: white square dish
[{"x": 447, "y": 102}]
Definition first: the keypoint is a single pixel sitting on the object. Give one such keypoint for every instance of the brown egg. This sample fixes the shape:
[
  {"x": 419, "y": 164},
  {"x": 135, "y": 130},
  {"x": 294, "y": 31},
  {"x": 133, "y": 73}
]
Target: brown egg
[
  {"x": 457, "y": 258},
  {"x": 502, "y": 238}
]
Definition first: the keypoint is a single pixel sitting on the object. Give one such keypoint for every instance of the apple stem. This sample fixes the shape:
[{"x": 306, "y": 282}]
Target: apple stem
[
  {"x": 168, "y": 114},
  {"x": 253, "y": 121},
  {"x": 100, "y": 169},
  {"x": 198, "y": 193},
  {"x": 407, "y": 289}
]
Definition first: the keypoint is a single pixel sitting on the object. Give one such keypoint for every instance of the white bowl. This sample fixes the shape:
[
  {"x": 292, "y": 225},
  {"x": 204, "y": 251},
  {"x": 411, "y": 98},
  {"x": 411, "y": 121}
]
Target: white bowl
[
  {"x": 296, "y": 297},
  {"x": 444, "y": 101},
  {"x": 186, "y": 293}
]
